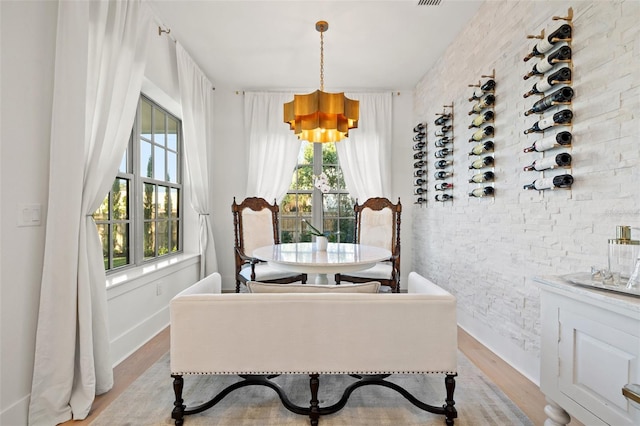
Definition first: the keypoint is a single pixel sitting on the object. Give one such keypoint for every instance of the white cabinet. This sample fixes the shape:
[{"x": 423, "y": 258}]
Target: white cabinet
[{"x": 590, "y": 349}]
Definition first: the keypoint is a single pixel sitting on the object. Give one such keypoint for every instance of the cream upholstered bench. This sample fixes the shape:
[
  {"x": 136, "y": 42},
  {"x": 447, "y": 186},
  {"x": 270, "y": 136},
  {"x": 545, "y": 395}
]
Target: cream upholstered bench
[{"x": 258, "y": 335}]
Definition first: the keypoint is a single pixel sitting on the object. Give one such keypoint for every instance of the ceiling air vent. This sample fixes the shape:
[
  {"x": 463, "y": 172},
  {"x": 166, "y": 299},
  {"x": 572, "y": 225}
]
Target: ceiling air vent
[{"x": 429, "y": 2}]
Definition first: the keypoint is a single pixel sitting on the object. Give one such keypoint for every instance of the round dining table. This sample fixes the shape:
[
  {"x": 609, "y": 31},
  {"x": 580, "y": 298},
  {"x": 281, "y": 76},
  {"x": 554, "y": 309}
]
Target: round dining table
[{"x": 338, "y": 258}]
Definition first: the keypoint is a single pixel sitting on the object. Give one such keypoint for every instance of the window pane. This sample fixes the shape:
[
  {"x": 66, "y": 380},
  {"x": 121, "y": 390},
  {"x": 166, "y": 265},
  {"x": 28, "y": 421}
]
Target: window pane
[
  {"x": 172, "y": 134},
  {"x": 145, "y": 120},
  {"x": 330, "y": 205},
  {"x": 172, "y": 167},
  {"x": 149, "y": 240},
  {"x": 305, "y": 178},
  {"x": 120, "y": 244},
  {"x": 158, "y": 127},
  {"x": 163, "y": 201},
  {"x": 149, "y": 201},
  {"x": 123, "y": 163},
  {"x": 146, "y": 164},
  {"x": 175, "y": 202},
  {"x": 330, "y": 227},
  {"x": 346, "y": 206},
  {"x": 174, "y": 235},
  {"x": 120, "y": 199},
  {"x": 304, "y": 204},
  {"x": 158, "y": 163},
  {"x": 162, "y": 233},
  {"x": 347, "y": 234},
  {"x": 103, "y": 232},
  {"x": 332, "y": 173},
  {"x": 103, "y": 211}
]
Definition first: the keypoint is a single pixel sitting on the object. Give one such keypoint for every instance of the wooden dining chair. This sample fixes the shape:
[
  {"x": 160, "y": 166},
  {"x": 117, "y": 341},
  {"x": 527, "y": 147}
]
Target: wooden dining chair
[
  {"x": 377, "y": 223},
  {"x": 255, "y": 224}
]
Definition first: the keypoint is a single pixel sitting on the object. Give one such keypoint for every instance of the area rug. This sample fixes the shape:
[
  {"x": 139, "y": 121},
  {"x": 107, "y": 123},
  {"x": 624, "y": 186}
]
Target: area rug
[{"x": 149, "y": 401}]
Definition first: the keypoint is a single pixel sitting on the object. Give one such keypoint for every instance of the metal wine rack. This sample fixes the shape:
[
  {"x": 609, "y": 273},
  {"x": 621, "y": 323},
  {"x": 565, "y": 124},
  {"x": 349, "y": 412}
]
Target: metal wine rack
[
  {"x": 443, "y": 164},
  {"x": 550, "y": 148},
  {"x": 481, "y": 158},
  {"x": 420, "y": 163}
]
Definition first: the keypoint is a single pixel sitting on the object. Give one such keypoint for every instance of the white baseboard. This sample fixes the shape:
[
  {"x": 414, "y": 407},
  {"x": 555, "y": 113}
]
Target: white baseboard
[{"x": 525, "y": 363}]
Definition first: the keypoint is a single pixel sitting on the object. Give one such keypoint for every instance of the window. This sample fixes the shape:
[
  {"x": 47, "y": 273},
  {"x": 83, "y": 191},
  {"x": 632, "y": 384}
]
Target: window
[
  {"x": 140, "y": 219},
  {"x": 332, "y": 212}
]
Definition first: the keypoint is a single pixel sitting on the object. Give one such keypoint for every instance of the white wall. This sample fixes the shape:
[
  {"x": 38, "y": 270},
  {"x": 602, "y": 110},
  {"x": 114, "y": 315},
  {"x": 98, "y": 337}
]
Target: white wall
[
  {"x": 486, "y": 251},
  {"x": 27, "y": 46}
]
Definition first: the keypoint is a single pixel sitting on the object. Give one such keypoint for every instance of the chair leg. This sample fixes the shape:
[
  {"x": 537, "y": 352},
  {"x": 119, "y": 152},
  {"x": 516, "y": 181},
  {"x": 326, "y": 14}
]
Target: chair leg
[{"x": 237, "y": 286}]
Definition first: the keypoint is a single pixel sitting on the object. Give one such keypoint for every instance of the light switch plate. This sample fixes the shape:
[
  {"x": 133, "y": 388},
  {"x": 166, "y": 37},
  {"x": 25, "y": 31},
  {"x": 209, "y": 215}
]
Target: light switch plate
[{"x": 29, "y": 214}]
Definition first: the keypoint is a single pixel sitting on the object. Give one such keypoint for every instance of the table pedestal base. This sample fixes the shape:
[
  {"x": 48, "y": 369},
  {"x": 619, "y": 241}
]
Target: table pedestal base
[{"x": 322, "y": 279}]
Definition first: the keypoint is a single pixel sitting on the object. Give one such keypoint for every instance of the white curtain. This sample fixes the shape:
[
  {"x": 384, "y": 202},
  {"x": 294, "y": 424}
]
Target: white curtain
[
  {"x": 273, "y": 148},
  {"x": 100, "y": 57},
  {"x": 365, "y": 156},
  {"x": 196, "y": 96}
]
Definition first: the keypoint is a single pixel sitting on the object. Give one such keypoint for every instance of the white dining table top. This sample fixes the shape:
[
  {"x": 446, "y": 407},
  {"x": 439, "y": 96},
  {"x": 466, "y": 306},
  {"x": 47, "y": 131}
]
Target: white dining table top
[{"x": 339, "y": 257}]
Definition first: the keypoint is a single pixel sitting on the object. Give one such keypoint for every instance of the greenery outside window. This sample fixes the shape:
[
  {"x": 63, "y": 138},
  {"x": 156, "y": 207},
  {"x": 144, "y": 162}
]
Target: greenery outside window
[
  {"x": 140, "y": 219},
  {"x": 332, "y": 212}
]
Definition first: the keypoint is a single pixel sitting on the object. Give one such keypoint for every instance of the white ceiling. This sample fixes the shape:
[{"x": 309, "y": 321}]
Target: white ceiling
[{"x": 273, "y": 45}]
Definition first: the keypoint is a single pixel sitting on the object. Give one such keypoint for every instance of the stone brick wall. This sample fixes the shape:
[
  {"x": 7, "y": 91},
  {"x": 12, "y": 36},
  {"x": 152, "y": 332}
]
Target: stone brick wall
[{"x": 487, "y": 251}]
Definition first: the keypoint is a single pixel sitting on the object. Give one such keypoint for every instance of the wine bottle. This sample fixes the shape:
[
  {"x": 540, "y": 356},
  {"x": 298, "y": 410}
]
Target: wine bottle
[
  {"x": 440, "y": 121},
  {"x": 419, "y": 191},
  {"x": 443, "y": 197},
  {"x": 545, "y": 64},
  {"x": 443, "y": 186},
  {"x": 482, "y": 162},
  {"x": 419, "y": 172},
  {"x": 481, "y": 119},
  {"x": 441, "y": 164},
  {"x": 562, "y": 95},
  {"x": 420, "y": 127},
  {"x": 442, "y": 153},
  {"x": 420, "y": 200},
  {"x": 419, "y": 182},
  {"x": 419, "y": 137},
  {"x": 487, "y": 100},
  {"x": 442, "y": 141},
  {"x": 442, "y": 175},
  {"x": 488, "y": 86},
  {"x": 482, "y": 177},
  {"x": 482, "y": 148},
  {"x": 563, "y": 33},
  {"x": 559, "y": 139},
  {"x": 419, "y": 146},
  {"x": 442, "y": 131},
  {"x": 560, "y": 117},
  {"x": 560, "y": 181},
  {"x": 479, "y": 134},
  {"x": 419, "y": 155},
  {"x": 563, "y": 75},
  {"x": 419, "y": 164},
  {"x": 560, "y": 160},
  {"x": 482, "y": 192}
]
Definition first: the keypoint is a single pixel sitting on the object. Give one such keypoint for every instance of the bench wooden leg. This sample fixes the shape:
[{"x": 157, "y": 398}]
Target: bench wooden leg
[
  {"x": 178, "y": 407},
  {"x": 449, "y": 409},
  {"x": 314, "y": 408}
]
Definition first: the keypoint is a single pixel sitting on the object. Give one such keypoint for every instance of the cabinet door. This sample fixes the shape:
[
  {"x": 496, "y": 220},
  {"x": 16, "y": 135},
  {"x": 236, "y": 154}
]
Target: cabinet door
[{"x": 599, "y": 353}]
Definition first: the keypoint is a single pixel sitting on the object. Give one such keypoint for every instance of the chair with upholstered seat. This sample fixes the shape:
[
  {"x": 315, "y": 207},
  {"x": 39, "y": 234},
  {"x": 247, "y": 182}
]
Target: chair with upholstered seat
[
  {"x": 255, "y": 223},
  {"x": 378, "y": 224}
]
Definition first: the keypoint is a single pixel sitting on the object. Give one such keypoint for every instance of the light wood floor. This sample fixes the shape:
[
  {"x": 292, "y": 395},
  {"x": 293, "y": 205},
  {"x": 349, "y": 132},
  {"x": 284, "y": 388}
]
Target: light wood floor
[{"x": 518, "y": 388}]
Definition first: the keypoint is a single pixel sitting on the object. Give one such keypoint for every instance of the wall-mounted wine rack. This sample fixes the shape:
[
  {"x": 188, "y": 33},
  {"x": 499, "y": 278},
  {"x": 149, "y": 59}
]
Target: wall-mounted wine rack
[
  {"x": 482, "y": 160},
  {"x": 555, "y": 116},
  {"x": 420, "y": 163},
  {"x": 444, "y": 154}
]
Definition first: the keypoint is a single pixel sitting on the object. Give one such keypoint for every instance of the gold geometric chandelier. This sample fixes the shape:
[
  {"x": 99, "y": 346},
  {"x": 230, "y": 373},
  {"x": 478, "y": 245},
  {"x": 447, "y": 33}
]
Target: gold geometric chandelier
[{"x": 320, "y": 116}]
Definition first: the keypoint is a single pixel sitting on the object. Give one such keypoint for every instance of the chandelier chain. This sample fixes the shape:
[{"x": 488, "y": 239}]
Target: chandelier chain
[{"x": 322, "y": 61}]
